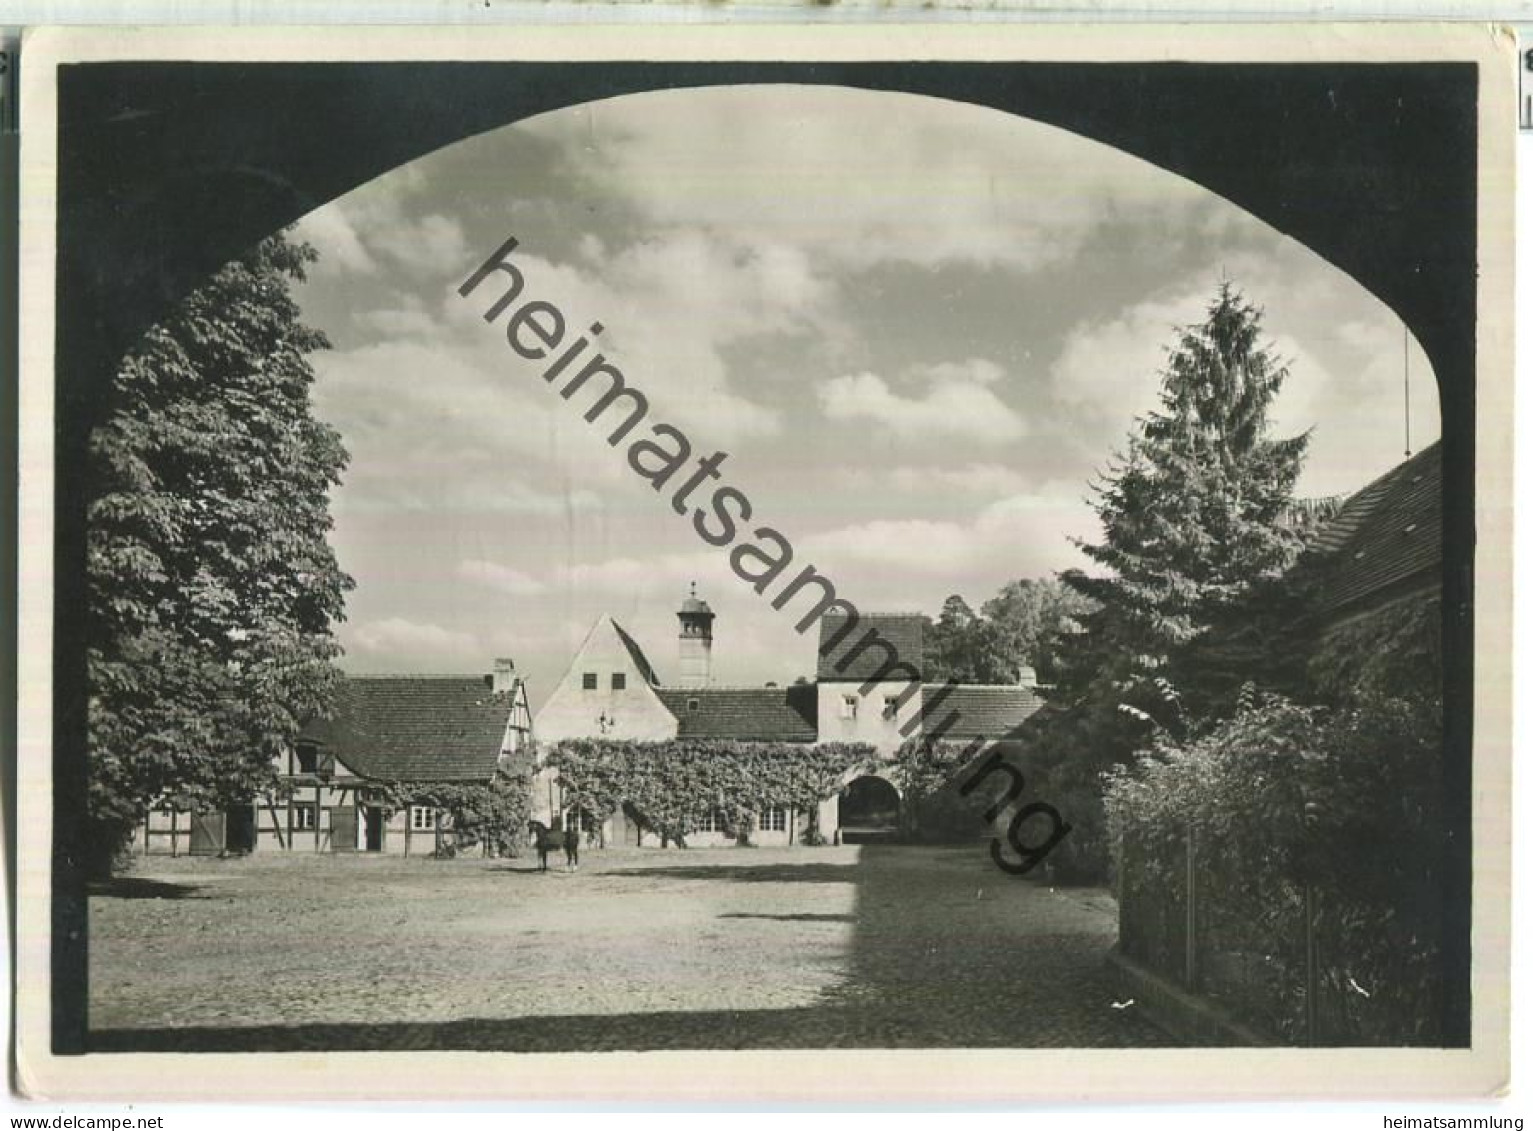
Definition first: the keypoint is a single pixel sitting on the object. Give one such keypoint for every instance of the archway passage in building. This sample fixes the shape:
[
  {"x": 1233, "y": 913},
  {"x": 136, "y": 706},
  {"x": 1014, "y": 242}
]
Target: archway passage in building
[{"x": 869, "y": 810}]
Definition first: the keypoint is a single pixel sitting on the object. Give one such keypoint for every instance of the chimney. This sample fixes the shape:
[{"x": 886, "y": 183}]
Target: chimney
[
  {"x": 504, "y": 676},
  {"x": 1028, "y": 677}
]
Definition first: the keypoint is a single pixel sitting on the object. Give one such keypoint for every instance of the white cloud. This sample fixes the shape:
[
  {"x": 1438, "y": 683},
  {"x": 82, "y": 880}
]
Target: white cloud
[
  {"x": 501, "y": 577},
  {"x": 656, "y": 577},
  {"x": 1343, "y": 349},
  {"x": 1110, "y": 370},
  {"x": 925, "y": 181},
  {"x": 377, "y": 225},
  {"x": 893, "y": 561},
  {"x": 332, "y": 232},
  {"x": 433, "y": 243},
  {"x": 397, "y": 322},
  {"x": 983, "y": 479},
  {"x": 959, "y": 402},
  {"x": 900, "y": 546},
  {"x": 400, "y": 635}
]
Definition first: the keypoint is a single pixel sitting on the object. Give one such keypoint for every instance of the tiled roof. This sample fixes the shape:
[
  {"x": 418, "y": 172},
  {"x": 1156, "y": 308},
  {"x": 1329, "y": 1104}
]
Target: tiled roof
[
  {"x": 904, "y": 631},
  {"x": 641, "y": 661},
  {"x": 1386, "y": 535},
  {"x": 747, "y": 714},
  {"x": 984, "y": 710},
  {"x": 415, "y": 727}
]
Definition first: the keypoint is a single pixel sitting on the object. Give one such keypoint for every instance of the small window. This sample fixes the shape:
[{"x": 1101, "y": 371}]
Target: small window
[
  {"x": 304, "y": 817},
  {"x": 710, "y": 824},
  {"x": 774, "y": 820},
  {"x": 891, "y": 706},
  {"x": 693, "y": 704},
  {"x": 308, "y": 757},
  {"x": 588, "y": 681},
  {"x": 619, "y": 681},
  {"x": 422, "y": 819},
  {"x": 848, "y": 706}
]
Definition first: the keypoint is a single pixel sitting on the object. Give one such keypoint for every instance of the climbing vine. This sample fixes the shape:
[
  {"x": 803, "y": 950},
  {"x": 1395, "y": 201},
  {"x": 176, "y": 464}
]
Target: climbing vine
[
  {"x": 675, "y": 786},
  {"x": 928, "y": 775},
  {"x": 493, "y": 813}
]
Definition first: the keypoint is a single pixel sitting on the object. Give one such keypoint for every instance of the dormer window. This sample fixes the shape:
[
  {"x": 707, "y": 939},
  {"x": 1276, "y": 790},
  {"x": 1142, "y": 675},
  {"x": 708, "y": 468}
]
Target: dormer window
[
  {"x": 693, "y": 704},
  {"x": 307, "y": 755}
]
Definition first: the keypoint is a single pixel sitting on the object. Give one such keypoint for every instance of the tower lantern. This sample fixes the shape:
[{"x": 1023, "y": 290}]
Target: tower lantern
[{"x": 695, "y": 641}]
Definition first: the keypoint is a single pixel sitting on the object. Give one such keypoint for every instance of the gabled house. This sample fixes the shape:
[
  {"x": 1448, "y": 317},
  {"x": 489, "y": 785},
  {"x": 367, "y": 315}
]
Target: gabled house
[
  {"x": 611, "y": 690},
  {"x": 411, "y": 729}
]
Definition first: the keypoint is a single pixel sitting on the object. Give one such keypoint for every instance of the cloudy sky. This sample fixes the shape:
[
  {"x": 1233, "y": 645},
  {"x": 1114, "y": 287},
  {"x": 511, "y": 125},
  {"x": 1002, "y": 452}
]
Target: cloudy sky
[{"x": 916, "y": 327}]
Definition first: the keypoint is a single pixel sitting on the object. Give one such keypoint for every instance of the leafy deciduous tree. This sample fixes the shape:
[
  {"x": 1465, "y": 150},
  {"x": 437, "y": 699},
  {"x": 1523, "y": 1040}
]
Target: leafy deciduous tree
[{"x": 213, "y": 591}]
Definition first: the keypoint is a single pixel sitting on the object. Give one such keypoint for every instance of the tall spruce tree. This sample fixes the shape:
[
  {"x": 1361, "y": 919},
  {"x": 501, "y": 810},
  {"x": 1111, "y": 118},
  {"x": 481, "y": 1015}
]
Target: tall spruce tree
[
  {"x": 213, "y": 590},
  {"x": 1193, "y": 523},
  {"x": 1193, "y": 515}
]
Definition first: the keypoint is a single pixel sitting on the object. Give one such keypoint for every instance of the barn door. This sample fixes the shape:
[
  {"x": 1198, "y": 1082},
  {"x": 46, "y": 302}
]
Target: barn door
[
  {"x": 343, "y": 828},
  {"x": 207, "y": 834},
  {"x": 240, "y": 828}
]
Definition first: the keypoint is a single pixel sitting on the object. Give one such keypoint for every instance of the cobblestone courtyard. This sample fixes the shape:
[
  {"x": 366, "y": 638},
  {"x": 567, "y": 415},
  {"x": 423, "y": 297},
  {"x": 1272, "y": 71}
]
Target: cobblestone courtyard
[{"x": 867, "y": 946}]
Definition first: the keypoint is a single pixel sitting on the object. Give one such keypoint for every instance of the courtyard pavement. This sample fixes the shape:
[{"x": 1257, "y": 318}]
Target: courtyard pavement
[{"x": 853, "y": 947}]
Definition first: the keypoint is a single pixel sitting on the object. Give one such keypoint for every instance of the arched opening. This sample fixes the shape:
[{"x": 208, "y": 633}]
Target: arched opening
[
  {"x": 868, "y": 810},
  {"x": 88, "y": 299}
]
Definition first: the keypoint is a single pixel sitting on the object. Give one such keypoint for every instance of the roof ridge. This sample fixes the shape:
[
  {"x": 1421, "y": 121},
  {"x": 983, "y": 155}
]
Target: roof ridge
[
  {"x": 987, "y": 686},
  {"x": 635, "y": 653},
  {"x": 730, "y": 687},
  {"x": 415, "y": 675}
]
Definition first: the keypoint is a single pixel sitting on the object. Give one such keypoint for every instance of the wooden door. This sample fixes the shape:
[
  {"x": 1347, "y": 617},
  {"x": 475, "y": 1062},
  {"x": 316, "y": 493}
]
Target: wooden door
[
  {"x": 343, "y": 828},
  {"x": 207, "y": 834},
  {"x": 240, "y": 828},
  {"x": 375, "y": 828}
]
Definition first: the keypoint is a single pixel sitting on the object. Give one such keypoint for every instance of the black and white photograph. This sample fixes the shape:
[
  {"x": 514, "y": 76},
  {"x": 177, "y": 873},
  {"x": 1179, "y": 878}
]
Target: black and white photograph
[{"x": 562, "y": 544}]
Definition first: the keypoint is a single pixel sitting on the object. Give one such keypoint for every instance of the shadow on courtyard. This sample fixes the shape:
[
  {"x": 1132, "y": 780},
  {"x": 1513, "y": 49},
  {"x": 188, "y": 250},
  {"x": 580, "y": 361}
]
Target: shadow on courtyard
[
  {"x": 941, "y": 954},
  {"x": 129, "y": 887},
  {"x": 798, "y": 917},
  {"x": 807, "y": 873}
]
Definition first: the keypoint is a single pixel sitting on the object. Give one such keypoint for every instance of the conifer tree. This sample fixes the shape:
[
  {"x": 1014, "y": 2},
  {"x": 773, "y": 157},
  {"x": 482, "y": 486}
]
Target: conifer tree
[
  {"x": 1193, "y": 528},
  {"x": 1193, "y": 515}
]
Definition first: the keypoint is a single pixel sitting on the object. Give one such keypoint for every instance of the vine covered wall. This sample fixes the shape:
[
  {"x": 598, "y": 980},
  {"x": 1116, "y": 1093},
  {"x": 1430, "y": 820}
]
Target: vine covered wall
[{"x": 674, "y": 786}]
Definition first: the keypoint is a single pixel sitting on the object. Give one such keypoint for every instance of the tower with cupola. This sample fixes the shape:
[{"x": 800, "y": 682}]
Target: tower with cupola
[{"x": 695, "y": 648}]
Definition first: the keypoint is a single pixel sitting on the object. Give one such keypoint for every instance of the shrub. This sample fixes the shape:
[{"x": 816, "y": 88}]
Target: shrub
[
  {"x": 1280, "y": 798},
  {"x": 494, "y": 814}
]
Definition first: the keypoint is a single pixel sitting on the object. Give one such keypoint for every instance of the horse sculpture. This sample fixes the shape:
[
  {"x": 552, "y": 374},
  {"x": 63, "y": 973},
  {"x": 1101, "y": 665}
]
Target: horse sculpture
[{"x": 548, "y": 840}]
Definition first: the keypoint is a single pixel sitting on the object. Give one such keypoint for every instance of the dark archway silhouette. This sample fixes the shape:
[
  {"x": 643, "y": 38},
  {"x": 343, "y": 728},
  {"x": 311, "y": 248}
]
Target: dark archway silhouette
[
  {"x": 868, "y": 809},
  {"x": 167, "y": 170}
]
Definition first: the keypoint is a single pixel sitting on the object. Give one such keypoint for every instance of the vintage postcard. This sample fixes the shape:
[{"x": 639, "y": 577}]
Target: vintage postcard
[{"x": 920, "y": 563}]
